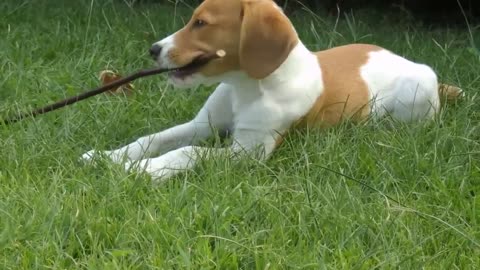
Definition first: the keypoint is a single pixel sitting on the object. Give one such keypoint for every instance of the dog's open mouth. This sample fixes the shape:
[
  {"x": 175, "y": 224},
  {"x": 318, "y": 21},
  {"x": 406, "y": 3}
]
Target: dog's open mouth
[
  {"x": 190, "y": 68},
  {"x": 184, "y": 71}
]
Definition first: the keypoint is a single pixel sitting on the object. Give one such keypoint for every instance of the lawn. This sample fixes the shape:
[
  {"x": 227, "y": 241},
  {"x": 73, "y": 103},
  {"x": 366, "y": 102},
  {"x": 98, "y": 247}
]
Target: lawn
[{"x": 377, "y": 195}]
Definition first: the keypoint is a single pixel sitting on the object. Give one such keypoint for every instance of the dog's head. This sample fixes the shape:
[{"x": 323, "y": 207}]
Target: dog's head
[{"x": 255, "y": 34}]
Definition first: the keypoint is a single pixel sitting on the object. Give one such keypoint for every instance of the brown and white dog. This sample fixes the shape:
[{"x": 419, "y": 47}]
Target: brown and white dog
[{"x": 270, "y": 83}]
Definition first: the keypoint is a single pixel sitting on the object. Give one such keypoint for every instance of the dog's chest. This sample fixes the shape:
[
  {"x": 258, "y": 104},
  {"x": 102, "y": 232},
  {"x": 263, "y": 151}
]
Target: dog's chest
[
  {"x": 265, "y": 107},
  {"x": 280, "y": 99}
]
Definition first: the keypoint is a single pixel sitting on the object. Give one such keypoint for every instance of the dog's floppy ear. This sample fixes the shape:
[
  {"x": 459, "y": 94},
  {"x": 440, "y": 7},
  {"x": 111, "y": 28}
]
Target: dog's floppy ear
[{"x": 266, "y": 37}]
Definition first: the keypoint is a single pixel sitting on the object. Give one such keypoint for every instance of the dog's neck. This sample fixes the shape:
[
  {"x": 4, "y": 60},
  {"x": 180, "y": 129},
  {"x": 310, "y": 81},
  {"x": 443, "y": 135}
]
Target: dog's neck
[{"x": 298, "y": 62}]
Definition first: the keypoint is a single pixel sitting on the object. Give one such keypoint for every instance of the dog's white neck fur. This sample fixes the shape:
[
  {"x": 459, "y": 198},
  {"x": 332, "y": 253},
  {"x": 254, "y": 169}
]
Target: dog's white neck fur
[
  {"x": 290, "y": 67},
  {"x": 281, "y": 98},
  {"x": 294, "y": 76}
]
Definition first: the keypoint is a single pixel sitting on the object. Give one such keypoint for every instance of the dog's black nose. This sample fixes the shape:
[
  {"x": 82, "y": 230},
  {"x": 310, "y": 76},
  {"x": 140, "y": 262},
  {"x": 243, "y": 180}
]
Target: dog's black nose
[{"x": 155, "y": 51}]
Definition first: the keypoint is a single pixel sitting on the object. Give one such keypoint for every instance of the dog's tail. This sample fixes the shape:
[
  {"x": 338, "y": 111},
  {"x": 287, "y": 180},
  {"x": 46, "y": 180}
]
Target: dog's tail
[{"x": 449, "y": 94}]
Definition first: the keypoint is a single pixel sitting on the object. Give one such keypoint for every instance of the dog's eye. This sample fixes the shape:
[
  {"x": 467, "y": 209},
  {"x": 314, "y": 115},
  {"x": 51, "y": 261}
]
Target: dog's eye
[{"x": 199, "y": 23}]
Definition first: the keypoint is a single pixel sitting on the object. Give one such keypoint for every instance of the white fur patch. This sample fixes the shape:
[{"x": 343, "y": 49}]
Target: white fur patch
[
  {"x": 167, "y": 44},
  {"x": 400, "y": 88}
]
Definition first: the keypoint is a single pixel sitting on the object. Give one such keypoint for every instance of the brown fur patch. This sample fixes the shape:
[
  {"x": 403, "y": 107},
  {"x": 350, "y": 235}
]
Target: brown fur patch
[
  {"x": 221, "y": 31},
  {"x": 256, "y": 37},
  {"x": 345, "y": 93},
  {"x": 266, "y": 38}
]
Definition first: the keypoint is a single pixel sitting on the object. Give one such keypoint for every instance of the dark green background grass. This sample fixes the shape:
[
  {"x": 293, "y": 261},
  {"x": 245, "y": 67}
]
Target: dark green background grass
[{"x": 299, "y": 210}]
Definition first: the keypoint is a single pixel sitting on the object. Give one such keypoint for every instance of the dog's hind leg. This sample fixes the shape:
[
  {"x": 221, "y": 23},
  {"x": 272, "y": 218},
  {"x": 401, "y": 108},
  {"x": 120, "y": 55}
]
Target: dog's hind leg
[{"x": 216, "y": 114}]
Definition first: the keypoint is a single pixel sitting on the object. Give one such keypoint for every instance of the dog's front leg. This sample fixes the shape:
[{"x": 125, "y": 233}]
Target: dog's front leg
[
  {"x": 256, "y": 144},
  {"x": 215, "y": 114},
  {"x": 175, "y": 161},
  {"x": 163, "y": 141}
]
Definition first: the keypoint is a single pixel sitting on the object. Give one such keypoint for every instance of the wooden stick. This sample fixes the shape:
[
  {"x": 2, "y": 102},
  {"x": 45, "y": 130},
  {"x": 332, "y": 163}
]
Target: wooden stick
[{"x": 142, "y": 73}]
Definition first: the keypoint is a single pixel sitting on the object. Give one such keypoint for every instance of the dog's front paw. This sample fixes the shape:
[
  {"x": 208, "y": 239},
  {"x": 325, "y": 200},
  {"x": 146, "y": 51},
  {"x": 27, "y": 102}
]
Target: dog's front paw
[
  {"x": 91, "y": 155},
  {"x": 157, "y": 173},
  {"x": 88, "y": 156}
]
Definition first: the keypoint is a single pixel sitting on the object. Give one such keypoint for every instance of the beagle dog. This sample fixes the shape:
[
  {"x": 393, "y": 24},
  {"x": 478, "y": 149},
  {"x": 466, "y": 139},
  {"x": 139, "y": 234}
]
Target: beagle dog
[{"x": 270, "y": 83}]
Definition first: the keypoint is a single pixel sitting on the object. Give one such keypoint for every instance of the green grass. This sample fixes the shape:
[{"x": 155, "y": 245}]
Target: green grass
[{"x": 302, "y": 209}]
